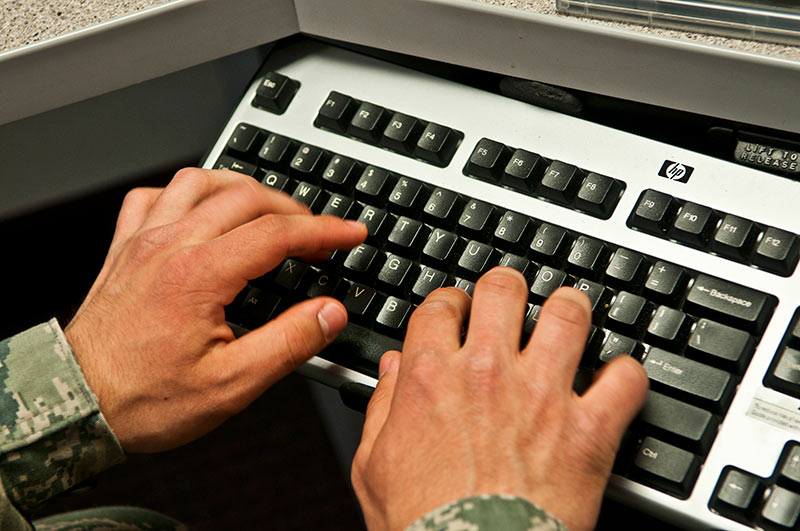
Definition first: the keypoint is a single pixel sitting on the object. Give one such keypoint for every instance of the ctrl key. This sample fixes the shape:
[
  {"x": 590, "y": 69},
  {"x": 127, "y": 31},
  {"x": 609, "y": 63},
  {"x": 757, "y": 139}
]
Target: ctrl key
[{"x": 666, "y": 467}]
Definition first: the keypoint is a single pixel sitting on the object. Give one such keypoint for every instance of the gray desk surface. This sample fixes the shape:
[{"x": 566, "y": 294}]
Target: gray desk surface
[
  {"x": 523, "y": 38},
  {"x": 24, "y": 22}
]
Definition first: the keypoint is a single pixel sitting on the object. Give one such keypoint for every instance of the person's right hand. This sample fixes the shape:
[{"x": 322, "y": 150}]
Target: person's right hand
[
  {"x": 451, "y": 420},
  {"x": 151, "y": 336}
]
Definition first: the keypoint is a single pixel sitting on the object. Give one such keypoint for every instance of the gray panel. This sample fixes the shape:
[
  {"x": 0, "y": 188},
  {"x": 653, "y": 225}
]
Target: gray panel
[
  {"x": 115, "y": 138},
  {"x": 676, "y": 74},
  {"x": 134, "y": 48}
]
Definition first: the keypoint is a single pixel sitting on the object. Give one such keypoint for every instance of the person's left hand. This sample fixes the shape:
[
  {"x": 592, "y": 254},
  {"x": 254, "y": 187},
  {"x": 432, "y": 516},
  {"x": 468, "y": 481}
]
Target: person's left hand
[{"x": 151, "y": 337}]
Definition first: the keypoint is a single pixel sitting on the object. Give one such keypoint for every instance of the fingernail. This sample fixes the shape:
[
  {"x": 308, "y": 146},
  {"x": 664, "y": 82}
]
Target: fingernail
[
  {"x": 388, "y": 363},
  {"x": 332, "y": 320},
  {"x": 353, "y": 223}
]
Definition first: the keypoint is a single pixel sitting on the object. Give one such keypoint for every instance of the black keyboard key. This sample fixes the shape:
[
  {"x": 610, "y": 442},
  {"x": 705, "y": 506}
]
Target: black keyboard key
[
  {"x": 782, "y": 508},
  {"x": 373, "y": 185},
  {"x": 598, "y": 295},
  {"x": 338, "y": 205},
  {"x": 785, "y": 375},
  {"x": 336, "y": 112},
  {"x": 476, "y": 218},
  {"x": 362, "y": 261},
  {"x": 442, "y": 207},
  {"x": 291, "y": 274},
  {"x": 276, "y": 151},
  {"x": 245, "y": 139},
  {"x": 789, "y": 467},
  {"x": 467, "y": 285},
  {"x": 401, "y": 133},
  {"x": 377, "y": 220},
  {"x": 531, "y": 318},
  {"x": 686, "y": 425},
  {"x": 229, "y": 163},
  {"x": 523, "y": 171},
  {"x": 734, "y": 238},
  {"x": 277, "y": 180},
  {"x": 665, "y": 282},
  {"x": 437, "y": 144},
  {"x": 549, "y": 243},
  {"x": 668, "y": 328},
  {"x": 323, "y": 284},
  {"x": 307, "y": 162},
  {"x": 275, "y": 92},
  {"x": 368, "y": 122},
  {"x": 488, "y": 160},
  {"x": 341, "y": 172},
  {"x": 397, "y": 273},
  {"x": 721, "y": 345},
  {"x": 598, "y": 195},
  {"x": 428, "y": 280},
  {"x": 521, "y": 264},
  {"x": 361, "y": 302},
  {"x": 626, "y": 268},
  {"x": 730, "y": 303},
  {"x": 408, "y": 236},
  {"x": 393, "y": 317},
  {"x": 310, "y": 195},
  {"x": 654, "y": 212},
  {"x": 628, "y": 314},
  {"x": 619, "y": 345},
  {"x": 441, "y": 247},
  {"x": 737, "y": 490},
  {"x": 693, "y": 224},
  {"x": 560, "y": 182},
  {"x": 777, "y": 251},
  {"x": 257, "y": 308},
  {"x": 513, "y": 231},
  {"x": 685, "y": 379},
  {"x": 477, "y": 258},
  {"x": 587, "y": 257},
  {"x": 546, "y": 282},
  {"x": 407, "y": 195},
  {"x": 666, "y": 467}
]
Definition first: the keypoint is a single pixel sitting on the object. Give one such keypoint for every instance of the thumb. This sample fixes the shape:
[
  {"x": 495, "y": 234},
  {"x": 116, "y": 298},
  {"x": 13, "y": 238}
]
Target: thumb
[{"x": 275, "y": 349}]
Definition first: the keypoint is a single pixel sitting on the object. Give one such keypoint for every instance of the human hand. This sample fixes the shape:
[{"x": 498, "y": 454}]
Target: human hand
[
  {"x": 449, "y": 421},
  {"x": 151, "y": 336}
]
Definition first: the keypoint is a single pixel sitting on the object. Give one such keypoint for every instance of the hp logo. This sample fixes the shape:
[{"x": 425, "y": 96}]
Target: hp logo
[{"x": 675, "y": 171}]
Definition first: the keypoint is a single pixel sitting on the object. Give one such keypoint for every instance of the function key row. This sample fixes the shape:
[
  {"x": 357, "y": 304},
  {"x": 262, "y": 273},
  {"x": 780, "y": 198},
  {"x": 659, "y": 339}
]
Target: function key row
[
  {"x": 716, "y": 232},
  {"x": 555, "y": 181},
  {"x": 392, "y": 130},
  {"x": 784, "y": 372},
  {"x": 771, "y": 503}
]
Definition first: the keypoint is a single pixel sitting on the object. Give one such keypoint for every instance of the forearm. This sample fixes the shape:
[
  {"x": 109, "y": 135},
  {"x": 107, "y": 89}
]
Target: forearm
[{"x": 52, "y": 434}]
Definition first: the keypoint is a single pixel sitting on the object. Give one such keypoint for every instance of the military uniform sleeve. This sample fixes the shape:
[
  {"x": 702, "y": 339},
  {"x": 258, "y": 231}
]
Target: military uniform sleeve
[
  {"x": 52, "y": 434},
  {"x": 488, "y": 512}
]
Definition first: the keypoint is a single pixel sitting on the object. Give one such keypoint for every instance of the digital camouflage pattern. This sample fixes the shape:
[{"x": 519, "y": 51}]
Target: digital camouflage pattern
[
  {"x": 495, "y": 512},
  {"x": 52, "y": 434}
]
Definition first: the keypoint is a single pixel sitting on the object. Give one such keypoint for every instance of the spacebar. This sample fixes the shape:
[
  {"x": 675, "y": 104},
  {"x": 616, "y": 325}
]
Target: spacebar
[{"x": 360, "y": 349}]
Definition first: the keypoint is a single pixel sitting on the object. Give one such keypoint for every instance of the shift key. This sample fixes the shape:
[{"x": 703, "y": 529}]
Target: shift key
[
  {"x": 733, "y": 304},
  {"x": 689, "y": 380}
]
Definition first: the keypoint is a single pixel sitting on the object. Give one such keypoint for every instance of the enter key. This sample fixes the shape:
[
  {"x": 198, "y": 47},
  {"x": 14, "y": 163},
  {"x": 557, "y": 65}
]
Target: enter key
[{"x": 689, "y": 380}]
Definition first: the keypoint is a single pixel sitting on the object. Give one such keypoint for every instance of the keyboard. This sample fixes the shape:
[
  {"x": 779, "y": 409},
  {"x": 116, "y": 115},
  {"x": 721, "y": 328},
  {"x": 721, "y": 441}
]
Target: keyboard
[{"x": 689, "y": 261}]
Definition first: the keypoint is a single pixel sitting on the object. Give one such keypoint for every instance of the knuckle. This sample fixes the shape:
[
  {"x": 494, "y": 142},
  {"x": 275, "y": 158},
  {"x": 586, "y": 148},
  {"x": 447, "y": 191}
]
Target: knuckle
[
  {"x": 191, "y": 176},
  {"x": 484, "y": 365},
  {"x": 439, "y": 305},
  {"x": 567, "y": 310},
  {"x": 427, "y": 371},
  {"x": 503, "y": 281},
  {"x": 148, "y": 243}
]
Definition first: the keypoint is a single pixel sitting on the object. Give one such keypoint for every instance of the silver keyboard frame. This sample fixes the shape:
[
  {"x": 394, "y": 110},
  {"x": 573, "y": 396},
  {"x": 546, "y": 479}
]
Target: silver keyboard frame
[{"x": 743, "y": 441}]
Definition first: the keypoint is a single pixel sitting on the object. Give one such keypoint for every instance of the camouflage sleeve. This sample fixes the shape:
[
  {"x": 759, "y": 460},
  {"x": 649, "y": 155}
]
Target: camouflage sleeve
[
  {"x": 488, "y": 512},
  {"x": 52, "y": 434}
]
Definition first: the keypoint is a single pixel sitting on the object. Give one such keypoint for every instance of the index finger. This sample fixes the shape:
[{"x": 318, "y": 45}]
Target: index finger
[{"x": 251, "y": 250}]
